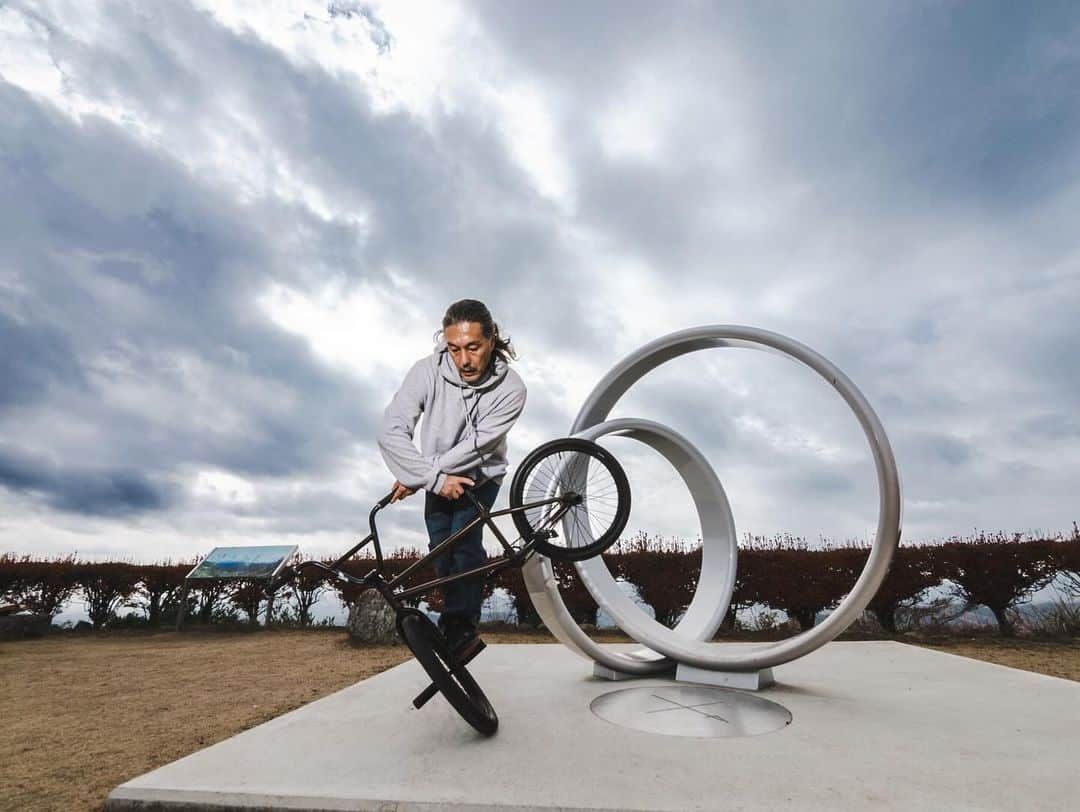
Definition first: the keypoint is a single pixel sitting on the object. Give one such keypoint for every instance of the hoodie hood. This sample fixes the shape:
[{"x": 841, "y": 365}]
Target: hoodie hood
[{"x": 496, "y": 370}]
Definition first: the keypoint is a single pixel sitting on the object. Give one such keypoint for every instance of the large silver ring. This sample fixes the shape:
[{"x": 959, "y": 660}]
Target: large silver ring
[{"x": 688, "y": 642}]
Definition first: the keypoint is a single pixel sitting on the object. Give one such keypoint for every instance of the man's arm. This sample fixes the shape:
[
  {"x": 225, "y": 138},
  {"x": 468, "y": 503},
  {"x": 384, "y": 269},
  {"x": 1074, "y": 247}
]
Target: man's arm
[
  {"x": 470, "y": 452},
  {"x": 395, "y": 436}
]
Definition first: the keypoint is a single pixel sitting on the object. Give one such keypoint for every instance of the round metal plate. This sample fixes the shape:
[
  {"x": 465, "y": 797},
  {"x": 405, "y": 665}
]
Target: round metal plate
[{"x": 684, "y": 710}]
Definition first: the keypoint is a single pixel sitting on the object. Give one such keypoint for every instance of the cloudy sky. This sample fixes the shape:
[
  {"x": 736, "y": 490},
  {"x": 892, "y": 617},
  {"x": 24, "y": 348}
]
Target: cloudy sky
[{"x": 228, "y": 228}]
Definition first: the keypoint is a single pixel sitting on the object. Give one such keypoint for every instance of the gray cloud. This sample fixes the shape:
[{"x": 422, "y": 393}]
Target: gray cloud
[
  {"x": 115, "y": 493},
  {"x": 35, "y": 358},
  {"x": 894, "y": 186},
  {"x": 132, "y": 293}
]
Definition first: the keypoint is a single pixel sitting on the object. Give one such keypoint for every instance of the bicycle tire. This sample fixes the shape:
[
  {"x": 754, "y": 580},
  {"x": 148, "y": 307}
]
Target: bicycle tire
[
  {"x": 546, "y": 469},
  {"x": 458, "y": 686}
]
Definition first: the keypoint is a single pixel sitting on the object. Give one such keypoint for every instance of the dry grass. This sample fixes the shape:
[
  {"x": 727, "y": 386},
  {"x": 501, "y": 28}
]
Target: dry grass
[
  {"x": 83, "y": 713},
  {"x": 1057, "y": 659}
]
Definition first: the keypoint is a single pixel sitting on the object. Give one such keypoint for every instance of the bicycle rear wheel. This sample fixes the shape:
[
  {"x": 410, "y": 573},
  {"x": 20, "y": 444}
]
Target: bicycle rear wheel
[
  {"x": 456, "y": 684},
  {"x": 580, "y": 471}
]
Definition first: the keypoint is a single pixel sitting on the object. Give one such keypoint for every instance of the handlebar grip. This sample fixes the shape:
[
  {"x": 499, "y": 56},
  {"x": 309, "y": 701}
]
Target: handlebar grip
[{"x": 384, "y": 501}]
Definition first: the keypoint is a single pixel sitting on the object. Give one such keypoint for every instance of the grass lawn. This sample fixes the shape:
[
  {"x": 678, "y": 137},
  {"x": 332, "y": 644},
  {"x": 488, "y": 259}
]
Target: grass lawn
[
  {"x": 83, "y": 713},
  {"x": 1057, "y": 659}
]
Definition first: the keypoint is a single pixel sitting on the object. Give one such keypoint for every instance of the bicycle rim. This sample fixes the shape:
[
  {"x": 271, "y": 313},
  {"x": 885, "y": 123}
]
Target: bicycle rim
[
  {"x": 458, "y": 687},
  {"x": 564, "y": 467}
]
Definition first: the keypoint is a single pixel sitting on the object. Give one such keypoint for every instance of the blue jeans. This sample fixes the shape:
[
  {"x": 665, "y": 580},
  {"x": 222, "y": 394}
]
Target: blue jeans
[{"x": 444, "y": 517}]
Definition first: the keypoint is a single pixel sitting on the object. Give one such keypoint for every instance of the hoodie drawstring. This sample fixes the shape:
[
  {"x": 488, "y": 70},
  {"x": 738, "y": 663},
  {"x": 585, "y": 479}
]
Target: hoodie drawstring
[{"x": 470, "y": 421}]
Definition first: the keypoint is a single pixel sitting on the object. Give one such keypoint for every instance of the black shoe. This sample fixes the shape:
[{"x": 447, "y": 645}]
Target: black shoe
[{"x": 461, "y": 636}]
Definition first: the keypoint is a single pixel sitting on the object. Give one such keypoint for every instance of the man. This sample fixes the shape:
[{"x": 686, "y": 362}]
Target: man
[{"x": 470, "y": 398}]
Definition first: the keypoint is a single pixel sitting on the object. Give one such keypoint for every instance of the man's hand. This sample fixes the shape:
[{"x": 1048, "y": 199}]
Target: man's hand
[
  {"x": 400, "y": 492},
  {"x": 455, "y": 486}
]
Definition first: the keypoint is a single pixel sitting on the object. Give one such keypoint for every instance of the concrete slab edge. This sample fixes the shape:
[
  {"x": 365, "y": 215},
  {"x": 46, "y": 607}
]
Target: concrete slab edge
[{"x": 147, "y": 800}]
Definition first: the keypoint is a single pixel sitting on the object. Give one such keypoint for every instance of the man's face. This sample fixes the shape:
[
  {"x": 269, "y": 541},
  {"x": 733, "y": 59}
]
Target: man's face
[{"x": 469, "y": 349}]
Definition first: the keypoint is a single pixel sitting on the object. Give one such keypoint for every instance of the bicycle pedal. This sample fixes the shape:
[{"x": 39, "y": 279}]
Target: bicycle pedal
[
  {"x": 466, "y": 656},
  {"x": 423, "y": 697}
]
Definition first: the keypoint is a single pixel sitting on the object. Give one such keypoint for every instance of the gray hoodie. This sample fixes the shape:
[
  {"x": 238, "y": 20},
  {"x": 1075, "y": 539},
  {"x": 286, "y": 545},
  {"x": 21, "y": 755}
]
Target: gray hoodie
[{"x": 465, "y": 425}]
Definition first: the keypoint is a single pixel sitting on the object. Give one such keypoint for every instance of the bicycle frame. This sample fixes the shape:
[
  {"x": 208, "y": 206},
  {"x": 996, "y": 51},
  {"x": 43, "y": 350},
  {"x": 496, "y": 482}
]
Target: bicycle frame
[{"x": 390, "y": 588}]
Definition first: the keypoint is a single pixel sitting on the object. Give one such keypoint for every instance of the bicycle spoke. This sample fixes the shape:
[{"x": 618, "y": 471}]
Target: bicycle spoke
[
  {"x": 581, "y": 522},
  {"x": 600, "y": 476},
  {"x": 600, "y": 514},
  {"x": 604, "y": 492},
  {"x": 600, "y": 503}
]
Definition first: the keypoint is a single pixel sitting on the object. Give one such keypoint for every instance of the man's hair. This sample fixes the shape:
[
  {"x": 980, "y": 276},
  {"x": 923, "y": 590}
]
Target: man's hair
[{"x": 476, "y": 311}]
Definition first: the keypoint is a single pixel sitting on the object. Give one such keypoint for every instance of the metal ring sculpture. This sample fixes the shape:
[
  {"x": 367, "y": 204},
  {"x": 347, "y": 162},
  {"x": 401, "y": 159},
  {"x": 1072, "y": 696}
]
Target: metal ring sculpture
[{"x": 688, "y": 642}]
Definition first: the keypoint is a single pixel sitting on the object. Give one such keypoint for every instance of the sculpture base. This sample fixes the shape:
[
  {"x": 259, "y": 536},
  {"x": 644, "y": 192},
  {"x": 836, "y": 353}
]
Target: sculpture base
[
  {"x": 875, "y": 725},
  {"x": 603, "y": 672},
  {"x": 743, "y": 680}
]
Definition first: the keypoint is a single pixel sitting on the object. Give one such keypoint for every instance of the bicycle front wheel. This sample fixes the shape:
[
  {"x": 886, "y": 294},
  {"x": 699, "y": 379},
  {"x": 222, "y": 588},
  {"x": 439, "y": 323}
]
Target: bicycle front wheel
[
  {"x": 454, "y": 682},
  {"x": 578, "y": 473}
]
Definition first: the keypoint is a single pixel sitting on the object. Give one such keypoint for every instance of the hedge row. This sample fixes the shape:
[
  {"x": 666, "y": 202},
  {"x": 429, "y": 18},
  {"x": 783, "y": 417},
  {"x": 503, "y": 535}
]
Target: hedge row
[{"x": 783, "y": 573}]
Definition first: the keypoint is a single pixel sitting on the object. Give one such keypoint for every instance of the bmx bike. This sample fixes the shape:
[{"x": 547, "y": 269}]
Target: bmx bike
[{"x": 570, "y": 481}]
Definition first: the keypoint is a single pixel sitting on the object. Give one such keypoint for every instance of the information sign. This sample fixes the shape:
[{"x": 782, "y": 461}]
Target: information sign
[{"x": 243, "y": 562}]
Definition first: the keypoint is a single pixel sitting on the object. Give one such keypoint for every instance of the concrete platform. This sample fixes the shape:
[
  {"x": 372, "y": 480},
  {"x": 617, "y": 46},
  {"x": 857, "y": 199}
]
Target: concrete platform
[{"x": 875, "y": 725}]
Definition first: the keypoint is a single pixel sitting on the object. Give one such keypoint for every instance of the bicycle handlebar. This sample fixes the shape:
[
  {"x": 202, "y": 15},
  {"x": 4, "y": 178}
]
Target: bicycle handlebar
[
  {"x": 289, "y": 572},
  {"x": 378, "y": 506}
]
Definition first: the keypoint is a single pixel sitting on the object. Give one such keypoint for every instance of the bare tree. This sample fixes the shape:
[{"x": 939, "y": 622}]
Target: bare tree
[
  {"x": 512, "y": 581},
  {"x": 247, "y": 596},
  {"x": 913, "y": 570},
  {"x": 1067, "y": 557},
  {"x": 106, "y": 587},
  {"x": 212, "y": 600},
  {"x": 305, "y": 589},
  {"x": 800, "y": 581},
  {"x": 42, "y": 585},
  {"x": 665, "y": 572},
  {"x": 998, "y": 571},
  {"x": 159, "y": 586}
]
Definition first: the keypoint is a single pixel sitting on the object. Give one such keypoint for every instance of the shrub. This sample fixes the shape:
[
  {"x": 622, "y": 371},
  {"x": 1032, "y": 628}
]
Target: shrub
[
  {"x": 1067, "y": 562},
  {"x": 514, "y": 583},
  {"x": 246, "y": 596},
  {"x": 10, "y": 577},
  {"x": 158, "y": 587},
  {"x": 210, "y": 601},
  {"x": 913, "y": 570},
  {"x": 579, "y": 601},
  {"x": 665, "y": 572},
  {"x": 42, "y": 585},
  {"x": 106, "y": 587},
  {"x": 997, "y": 571},
  {"x": 305, "y": 589},
  {"x": 802, "y": 582}
]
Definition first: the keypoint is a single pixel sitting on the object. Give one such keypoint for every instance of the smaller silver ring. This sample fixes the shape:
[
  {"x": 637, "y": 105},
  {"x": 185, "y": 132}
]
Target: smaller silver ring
[{"x": 718, "y": 564}]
